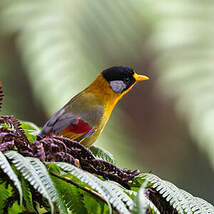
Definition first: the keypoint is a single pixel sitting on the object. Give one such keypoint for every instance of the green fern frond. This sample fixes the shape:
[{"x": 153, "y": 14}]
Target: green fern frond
[
  {"x": 142, "y": 203},
  {"x": 86, "y": 178},
  {"x": 15, "y": 208},
  {"x": 69, "y": 195},
  {"x": 27, "y": 195},
  {"x": 205, "y": 205},
  {"x": 197, "y": 205},
  {"x": 5, "y": 166},
  {"x": 47, "y": 181},
  {"x": 119, "y": 193},
  {"x": 102, "y": 154},
  {"x": 44, "y": 176},
  {"x": 131, "y": 193},
  {"x": 110, "y": 193},
  {"x": 30, "y": 130},
  {"x": 168, "y": 191},
  {"x": 30, "y": 174},
  {"x": 5, "y": 194},
  {"x": 94, "y": 205},
  {"x": 179, "y": 199}
]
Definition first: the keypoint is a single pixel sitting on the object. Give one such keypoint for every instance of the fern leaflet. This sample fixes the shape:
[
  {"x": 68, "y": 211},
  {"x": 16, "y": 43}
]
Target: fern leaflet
[
  {"x": 30, "y": 174},
  {"x": 102, "y": 154},
  {"x": 27, "y": 195},
  {"x": 69, "y": 195},
  {"x": 142, "y": 203},
  {"x": 197, "y": 206},
  {"x": 181, "y": 200},
  {"x": 109, "y": 193},
  {"x": 5, "y": 166},
  {"x": 46, "y": 179}
]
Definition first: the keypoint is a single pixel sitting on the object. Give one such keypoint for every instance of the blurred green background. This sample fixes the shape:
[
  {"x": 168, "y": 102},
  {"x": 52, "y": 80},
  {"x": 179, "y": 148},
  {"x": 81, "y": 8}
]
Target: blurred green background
[{"x": 50, "y": 50}]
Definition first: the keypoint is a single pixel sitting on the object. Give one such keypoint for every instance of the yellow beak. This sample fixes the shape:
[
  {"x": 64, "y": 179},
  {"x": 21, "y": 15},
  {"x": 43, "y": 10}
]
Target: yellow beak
[{"x": 140, "y": 78}]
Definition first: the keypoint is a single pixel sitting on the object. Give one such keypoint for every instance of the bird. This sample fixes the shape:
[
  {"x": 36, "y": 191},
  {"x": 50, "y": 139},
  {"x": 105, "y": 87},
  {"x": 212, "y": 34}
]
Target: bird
[{"x": 84, "y": 117}]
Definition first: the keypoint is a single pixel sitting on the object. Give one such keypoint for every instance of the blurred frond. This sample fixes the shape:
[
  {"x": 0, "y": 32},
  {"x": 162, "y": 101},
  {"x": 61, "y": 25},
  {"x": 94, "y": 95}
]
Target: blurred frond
[
  {"x": 59, "y": 40},
  {"x": 1, "y": 95},
  {"x": 184, "y": 37},
  {"x": 65, "y": 44}
]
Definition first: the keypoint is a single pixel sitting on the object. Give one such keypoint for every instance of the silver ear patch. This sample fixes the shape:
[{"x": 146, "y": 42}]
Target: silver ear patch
[{"x": 117, "y": 86}]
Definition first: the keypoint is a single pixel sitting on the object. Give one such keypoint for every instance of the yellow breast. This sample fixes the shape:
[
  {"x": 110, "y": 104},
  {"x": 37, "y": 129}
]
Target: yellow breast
[{"x": 106, "y": 97}]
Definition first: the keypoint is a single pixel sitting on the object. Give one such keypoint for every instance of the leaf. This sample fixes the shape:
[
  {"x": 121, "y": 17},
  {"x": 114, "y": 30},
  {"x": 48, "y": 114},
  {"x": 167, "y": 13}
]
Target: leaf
[
  {"x": 119, "y": 192},
  {"x": 142, "y": 203},
  {"x": 205, "y": 205},
  {"x": 44, "y": 176},
  {"x": 4, "y": 195},
  {"x": 27, "y": 195},
  {"x": 94, "y": 205},
  {"x": 102, "y": 154},
  {"x": 179, "y": 199},
  {"x": 5, "y": 166},
  {"x": 15, "y": 208},
  {"x": 70, "y": 196},
  {"x": 197, "y": 205},
  {"x": 109, "y": 192},
  {"x": 30, "y": 130},
  {"x": 46, "y": 179},
  {"x": 31, "y": 174},
  {"x": 84, "y": 177}
]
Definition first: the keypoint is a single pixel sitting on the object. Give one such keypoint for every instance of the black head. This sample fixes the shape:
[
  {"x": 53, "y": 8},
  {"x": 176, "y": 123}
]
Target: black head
[{"x": 120, "y": 78}]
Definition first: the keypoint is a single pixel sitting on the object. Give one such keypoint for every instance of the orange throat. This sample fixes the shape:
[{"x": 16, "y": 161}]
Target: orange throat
[{"x": 102, "y": 90}]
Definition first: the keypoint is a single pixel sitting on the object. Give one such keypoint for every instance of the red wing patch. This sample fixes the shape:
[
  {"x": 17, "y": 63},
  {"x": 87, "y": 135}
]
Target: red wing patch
[{"x": 79, "y": 127}]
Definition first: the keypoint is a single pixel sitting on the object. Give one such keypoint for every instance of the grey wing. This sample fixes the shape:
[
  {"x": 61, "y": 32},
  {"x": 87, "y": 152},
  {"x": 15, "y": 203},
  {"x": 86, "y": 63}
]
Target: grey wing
[{"x": 58, "y": 122}]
